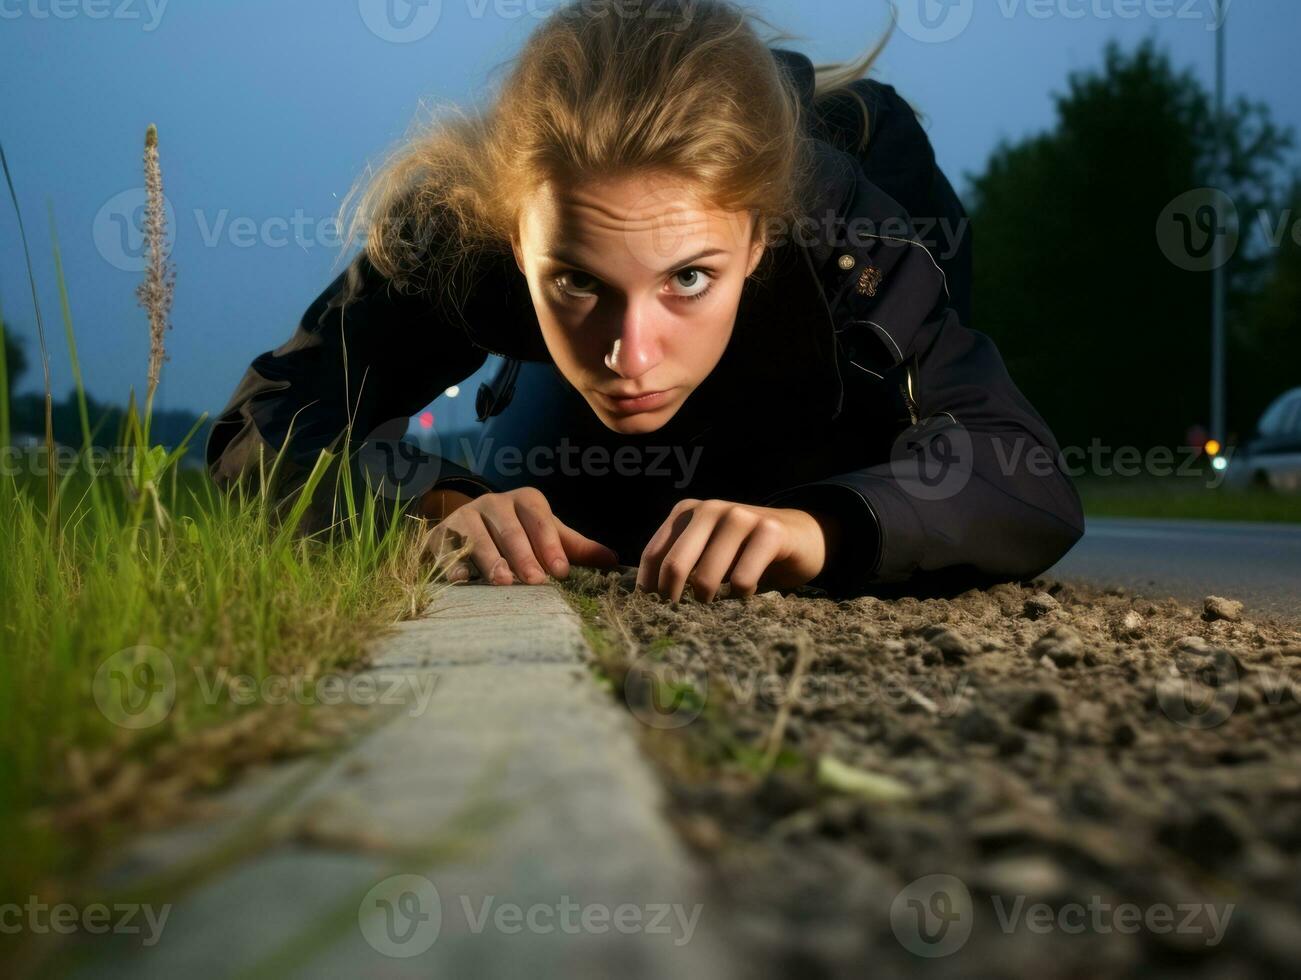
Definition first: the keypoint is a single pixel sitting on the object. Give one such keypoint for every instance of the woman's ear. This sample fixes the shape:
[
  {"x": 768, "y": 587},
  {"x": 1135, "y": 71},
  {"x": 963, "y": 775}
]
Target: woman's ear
[
  {"x": 758, "y": 243},
  {"x": 756, "y": 253}
]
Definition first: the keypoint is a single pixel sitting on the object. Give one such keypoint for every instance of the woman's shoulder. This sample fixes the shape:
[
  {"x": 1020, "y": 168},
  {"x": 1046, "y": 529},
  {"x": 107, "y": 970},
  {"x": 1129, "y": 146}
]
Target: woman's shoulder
[{"x": 891, "y": 124}]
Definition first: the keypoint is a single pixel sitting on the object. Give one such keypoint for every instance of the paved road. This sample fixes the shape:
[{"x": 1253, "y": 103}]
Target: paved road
[{"x": 1259, "y": 564}]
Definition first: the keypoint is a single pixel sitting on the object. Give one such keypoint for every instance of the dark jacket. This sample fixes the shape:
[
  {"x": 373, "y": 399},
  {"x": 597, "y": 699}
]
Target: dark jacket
[{"x": 851, "y": 385}]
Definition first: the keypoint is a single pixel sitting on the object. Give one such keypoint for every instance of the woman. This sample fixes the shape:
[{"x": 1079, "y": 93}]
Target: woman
[{"x": 751, "y": 368}]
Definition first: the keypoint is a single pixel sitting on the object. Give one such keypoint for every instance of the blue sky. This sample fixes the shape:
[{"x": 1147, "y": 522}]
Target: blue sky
[{"x": 268, "y": 110}]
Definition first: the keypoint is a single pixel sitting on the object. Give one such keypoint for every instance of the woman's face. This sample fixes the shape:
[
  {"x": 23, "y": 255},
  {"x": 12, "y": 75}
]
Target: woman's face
[{"x": 636, "y": 283}]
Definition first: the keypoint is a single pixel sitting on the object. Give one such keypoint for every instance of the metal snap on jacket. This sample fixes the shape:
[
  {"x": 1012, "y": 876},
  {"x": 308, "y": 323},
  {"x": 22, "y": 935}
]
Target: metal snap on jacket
[{"x": 846, "y": 262}]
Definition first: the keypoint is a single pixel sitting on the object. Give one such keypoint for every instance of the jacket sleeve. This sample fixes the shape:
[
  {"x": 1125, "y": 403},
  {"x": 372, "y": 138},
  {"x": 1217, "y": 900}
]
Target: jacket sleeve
[
  {"x": 971, "y": 487},
  {"x": 363, "y": 352}
]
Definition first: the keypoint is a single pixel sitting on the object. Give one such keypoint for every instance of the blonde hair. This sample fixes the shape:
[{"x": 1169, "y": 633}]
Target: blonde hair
[{"x": 601, "y": 88}]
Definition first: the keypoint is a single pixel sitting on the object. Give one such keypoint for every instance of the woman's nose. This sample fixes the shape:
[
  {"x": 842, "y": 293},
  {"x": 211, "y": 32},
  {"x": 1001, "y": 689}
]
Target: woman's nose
[{"x": 635, "y": 351}]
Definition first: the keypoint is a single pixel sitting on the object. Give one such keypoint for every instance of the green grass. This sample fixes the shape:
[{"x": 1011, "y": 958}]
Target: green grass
[
  {"x": 1177, "y": 498},
  {"x": 130, "y": 596},
  {"x": 705, "y": 748}
]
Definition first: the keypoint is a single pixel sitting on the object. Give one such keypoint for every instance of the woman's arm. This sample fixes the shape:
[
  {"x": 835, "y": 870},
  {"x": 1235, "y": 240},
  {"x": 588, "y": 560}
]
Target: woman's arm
[
  {"x": 362, "y": 351},
  {"x": 973, "y": 489}
]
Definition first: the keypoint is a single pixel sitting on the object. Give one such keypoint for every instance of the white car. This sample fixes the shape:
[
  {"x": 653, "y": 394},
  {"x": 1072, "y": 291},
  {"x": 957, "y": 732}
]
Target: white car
[{"x": 1272, "y": 460}]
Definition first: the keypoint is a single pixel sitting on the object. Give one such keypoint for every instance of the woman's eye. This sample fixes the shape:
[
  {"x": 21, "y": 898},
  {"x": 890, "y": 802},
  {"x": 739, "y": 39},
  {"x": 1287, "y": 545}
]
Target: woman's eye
[
  {"x": 691, "y": 283},
  {"x": 580, "y": 285}
]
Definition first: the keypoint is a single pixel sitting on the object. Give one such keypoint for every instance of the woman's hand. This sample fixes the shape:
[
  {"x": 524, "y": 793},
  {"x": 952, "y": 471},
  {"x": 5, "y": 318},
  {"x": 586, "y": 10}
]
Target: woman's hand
[
  {"x": 510, "y": 535},
  {"x": 709, "y": 541}
]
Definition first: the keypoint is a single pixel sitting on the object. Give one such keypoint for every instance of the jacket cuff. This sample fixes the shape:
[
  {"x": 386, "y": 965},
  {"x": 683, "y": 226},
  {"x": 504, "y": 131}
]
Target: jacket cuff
[
  {"x": 451, "y": 476},
  {"x": 857, "y": 554}
]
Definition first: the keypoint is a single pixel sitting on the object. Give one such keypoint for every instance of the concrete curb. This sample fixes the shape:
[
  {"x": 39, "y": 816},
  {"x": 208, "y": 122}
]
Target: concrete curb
[{"x": 501, "y": 822}]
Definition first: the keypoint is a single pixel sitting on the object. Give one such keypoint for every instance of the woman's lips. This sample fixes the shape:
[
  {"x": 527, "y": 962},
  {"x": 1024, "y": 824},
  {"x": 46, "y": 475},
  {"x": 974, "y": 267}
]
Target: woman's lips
[{"x": 646, "y": 403}]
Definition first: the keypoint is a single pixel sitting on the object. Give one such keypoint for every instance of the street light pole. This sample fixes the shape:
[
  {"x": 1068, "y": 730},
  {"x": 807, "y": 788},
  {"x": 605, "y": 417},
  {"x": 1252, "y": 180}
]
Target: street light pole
[{"x": 1218, "y": 423}]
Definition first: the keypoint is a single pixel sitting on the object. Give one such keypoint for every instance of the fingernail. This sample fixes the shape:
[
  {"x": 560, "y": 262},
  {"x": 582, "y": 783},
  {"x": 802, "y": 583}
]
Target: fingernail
[
  {"x": 558, "y": 567},
  {"x": 459, "y": 574}
]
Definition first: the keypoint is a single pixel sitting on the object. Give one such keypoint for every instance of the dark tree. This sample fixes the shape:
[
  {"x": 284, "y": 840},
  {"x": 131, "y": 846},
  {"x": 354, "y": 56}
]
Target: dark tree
[
  {"x": 15, "y": 356},
  {"x": 1106, "y": 334}
]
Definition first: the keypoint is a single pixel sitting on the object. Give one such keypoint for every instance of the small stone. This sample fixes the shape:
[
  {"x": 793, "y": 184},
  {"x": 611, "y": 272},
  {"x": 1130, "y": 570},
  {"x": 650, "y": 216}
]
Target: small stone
[
  {"x": 702, "y": 832},
  {"x": 1211, "y": 835},
  {"x": 912, "y": 743},
  {"x": 1036, "y": 877},
  {"x": 1061, "y": 644},
  {"x": 1034, "y": 708},
  {"x": 1011, "y": 743},
  {"x": 865, "y": 605},
  {"x": 1217, "y": 607},
  {"x": 839, "y": 816},
  {"x": 952, "y": 645},
  {"x": 1041, "y": 604},
  {"x": 978, "y": 726},
  {"x": 1132, "y": 622},
  {"x": 782, "y": 794},
  {"x": 1192, "y": 644}
]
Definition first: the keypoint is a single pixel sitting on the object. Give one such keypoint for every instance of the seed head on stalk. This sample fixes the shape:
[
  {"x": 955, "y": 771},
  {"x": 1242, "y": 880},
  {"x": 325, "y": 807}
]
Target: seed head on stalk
[{"x": 155, "y": 293}]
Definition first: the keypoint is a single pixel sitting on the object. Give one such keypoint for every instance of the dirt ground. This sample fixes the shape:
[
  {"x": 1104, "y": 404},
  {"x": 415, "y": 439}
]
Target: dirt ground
[{"x": 1032, "y": 780}]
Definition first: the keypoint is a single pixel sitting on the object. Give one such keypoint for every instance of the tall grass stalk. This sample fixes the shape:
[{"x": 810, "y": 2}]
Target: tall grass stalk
[
  {"x": 40, "y": 334},
  {"x": 4, "y": 384},
  {"x": 181, "y": 593}
]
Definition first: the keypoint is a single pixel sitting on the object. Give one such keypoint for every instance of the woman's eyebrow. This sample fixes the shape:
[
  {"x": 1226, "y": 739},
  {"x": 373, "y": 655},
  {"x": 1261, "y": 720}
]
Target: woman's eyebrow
[{"x": 562, "y": 258}]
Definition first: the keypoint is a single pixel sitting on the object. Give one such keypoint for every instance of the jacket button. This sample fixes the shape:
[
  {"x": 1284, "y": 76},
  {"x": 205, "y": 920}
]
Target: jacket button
[{"x": 846, "y": 262}]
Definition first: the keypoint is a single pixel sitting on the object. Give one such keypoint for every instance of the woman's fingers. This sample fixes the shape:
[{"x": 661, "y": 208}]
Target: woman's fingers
[
  {"x": 543, "y": 530},
  {"x": 652, "y": 557},
  {"x": 706, "y": 543},
  {"x": 721, "y": 552},
  {"x": 512, "y": 544},
  {"x": 758, "y": 553},
  {"x": 448, "y": 548},
  {"x": 512, "y": 535},
  {"x": 675, "y": 558},
  {"x": 484, "y": 550}
]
